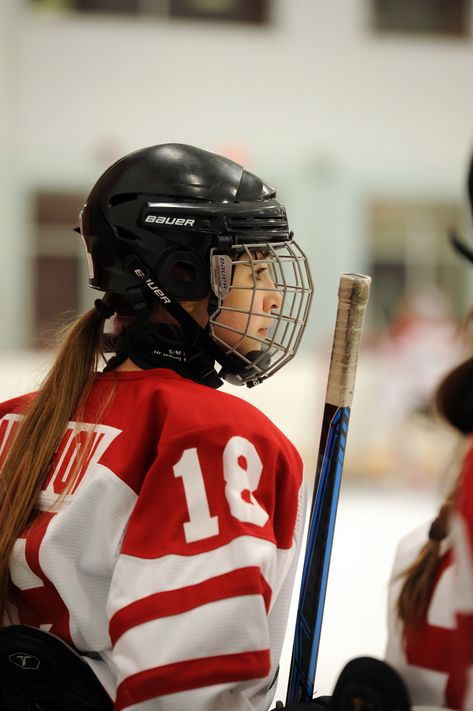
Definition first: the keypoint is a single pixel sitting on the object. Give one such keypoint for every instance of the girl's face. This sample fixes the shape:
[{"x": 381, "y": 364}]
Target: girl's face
[{"x": 246, "y": 314}]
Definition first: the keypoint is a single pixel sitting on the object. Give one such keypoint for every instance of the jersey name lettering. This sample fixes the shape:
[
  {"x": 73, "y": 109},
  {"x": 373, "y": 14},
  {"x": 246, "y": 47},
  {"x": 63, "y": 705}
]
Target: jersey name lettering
[
  {"x": 79, "y": 452},
  {"x": 8, "y": 426}
]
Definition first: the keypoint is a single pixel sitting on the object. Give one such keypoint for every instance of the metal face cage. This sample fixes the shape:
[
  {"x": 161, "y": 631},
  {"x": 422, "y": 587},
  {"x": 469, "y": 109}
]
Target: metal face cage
[{"x": 260, "y": 319}]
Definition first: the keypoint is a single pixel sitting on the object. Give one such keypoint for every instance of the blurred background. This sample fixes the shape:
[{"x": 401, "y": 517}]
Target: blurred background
[{"x": 360, "y": 112}]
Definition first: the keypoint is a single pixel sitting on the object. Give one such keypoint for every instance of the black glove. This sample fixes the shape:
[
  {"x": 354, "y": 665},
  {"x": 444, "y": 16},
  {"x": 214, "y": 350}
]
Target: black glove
[
  {"x": 365, "y": 683},
  {"x": 369, "y": 683}
]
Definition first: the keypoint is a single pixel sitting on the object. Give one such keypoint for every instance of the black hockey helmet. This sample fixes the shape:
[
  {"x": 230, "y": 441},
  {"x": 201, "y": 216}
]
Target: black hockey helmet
[
  {"x": 175, "y": 220},
  {"x": 170, "y": 205}
]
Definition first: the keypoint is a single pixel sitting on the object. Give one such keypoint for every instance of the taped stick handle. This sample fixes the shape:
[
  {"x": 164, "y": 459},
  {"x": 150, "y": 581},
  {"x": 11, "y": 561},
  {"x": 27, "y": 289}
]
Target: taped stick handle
[
  {"x": 353, "y": 296},
  {"x": 353, "y": 293}
]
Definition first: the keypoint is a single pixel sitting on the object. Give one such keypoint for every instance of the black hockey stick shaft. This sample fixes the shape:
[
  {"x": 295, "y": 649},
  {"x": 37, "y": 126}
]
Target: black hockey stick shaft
[{"x": 353, "y": 295}]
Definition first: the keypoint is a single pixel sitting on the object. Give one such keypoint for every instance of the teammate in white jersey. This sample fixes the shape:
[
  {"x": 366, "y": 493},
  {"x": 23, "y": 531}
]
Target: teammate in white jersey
[
  {"x": 431, "y": 598},
  {"x": 149, "y": 521}
]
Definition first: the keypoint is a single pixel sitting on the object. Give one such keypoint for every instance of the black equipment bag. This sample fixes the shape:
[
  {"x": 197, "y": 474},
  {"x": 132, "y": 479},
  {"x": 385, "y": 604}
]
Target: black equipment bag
[{"x": 40, "y": 672}]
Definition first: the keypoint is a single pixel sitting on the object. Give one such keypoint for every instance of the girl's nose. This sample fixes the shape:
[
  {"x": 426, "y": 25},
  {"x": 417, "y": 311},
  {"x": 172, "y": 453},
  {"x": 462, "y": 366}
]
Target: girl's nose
[{"x": 272, "y": 299}]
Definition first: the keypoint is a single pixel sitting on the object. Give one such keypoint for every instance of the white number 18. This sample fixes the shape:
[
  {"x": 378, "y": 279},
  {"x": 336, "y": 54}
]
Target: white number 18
[{"x": 238, "y": 477}]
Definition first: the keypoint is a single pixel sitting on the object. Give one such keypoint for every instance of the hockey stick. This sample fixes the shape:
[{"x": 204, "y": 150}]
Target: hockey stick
[{"x": 353, "y": 294}]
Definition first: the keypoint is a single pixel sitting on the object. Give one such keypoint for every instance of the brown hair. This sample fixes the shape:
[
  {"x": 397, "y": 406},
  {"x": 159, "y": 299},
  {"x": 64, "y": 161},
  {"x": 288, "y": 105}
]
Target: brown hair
[
  {"x": 454, "y": 401},
  {"x": 414, "y": 598},
  {"x": 63, "y": 392}
]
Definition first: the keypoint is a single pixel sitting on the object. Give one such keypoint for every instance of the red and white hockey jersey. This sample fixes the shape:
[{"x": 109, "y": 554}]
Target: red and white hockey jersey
[
  {"x": 436, "y": 660},
  {"x": 173, "y": 554},
  {"x": 423, "y": 657}
]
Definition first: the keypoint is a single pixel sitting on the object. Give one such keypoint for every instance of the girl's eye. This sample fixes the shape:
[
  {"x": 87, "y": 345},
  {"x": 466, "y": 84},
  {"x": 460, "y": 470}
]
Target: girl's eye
[{"x": 259, "y": 272}]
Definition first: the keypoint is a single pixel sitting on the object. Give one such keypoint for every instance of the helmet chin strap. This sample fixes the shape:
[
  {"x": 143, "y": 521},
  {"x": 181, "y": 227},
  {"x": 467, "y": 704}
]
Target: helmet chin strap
[
  {"x": 156, "y": 345},
  {"x": 201, "y": 344},
  {"x": 264, "y": 361}
]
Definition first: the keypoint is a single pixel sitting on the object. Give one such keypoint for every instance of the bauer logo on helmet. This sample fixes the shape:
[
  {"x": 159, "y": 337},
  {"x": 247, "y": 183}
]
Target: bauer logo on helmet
[{"x": 174, "y": 221}]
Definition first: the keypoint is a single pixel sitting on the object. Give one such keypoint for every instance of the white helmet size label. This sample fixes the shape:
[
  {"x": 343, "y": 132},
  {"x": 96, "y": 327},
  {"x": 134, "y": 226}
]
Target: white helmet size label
[
  {"x": 221, "y": 274},
  {"x": 175, "y": 221}
]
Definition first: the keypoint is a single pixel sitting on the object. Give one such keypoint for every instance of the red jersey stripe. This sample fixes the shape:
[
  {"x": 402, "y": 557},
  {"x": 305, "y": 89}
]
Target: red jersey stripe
[
  {"x": 426, "y": 649},
  {"x": 244, "y": 581},
  {"x": 191, "y": 674}
]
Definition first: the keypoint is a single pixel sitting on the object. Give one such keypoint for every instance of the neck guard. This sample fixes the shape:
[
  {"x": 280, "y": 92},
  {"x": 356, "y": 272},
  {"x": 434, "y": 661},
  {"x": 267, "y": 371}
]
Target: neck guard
[{"x": 153, "y": 345}]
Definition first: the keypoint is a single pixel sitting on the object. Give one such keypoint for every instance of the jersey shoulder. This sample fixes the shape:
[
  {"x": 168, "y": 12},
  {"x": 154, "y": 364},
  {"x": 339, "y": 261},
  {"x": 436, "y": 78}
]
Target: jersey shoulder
[
  {"x": 16, "y": 405},
  {"x": 196, "y": 406},
  {"x": 161, "y": 415}
]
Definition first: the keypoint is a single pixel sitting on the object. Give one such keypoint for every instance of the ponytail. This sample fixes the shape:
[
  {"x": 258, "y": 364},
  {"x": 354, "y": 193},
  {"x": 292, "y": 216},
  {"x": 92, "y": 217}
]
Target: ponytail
[
  {"x": 414, "y": 598},
  {"x": 63, "y": 393},
  {"x": 454, "y": 401}
]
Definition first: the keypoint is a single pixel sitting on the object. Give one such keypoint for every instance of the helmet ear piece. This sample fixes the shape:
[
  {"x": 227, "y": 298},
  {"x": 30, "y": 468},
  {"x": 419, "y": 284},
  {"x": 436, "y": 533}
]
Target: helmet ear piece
[{"x": 183, "y": 275}]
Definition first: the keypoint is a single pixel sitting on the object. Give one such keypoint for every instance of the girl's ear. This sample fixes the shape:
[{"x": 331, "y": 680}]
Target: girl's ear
[
  {"x": 198, "y": 310},
  {"x": 188, "y": 306}
]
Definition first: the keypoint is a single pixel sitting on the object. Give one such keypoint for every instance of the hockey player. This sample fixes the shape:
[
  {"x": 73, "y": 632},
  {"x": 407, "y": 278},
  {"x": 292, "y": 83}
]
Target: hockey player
[
  {"x": 150, "y": 522},
  {"x": 431, "y": 597}
]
